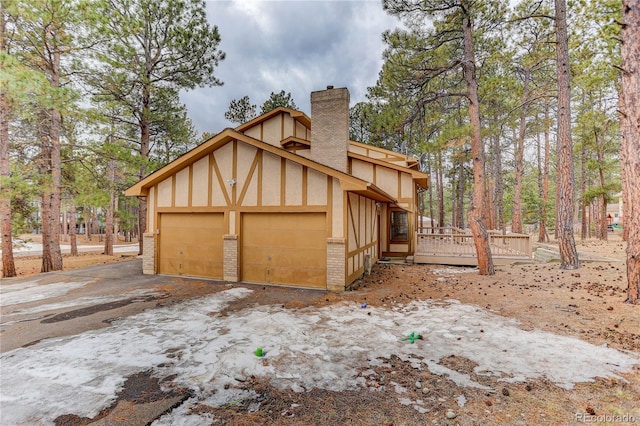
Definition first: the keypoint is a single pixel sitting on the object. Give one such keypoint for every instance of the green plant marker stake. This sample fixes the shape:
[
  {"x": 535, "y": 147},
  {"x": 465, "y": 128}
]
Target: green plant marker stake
[
  {"x": 259, "y": 352},
  {"x": 413, "y": 337}
]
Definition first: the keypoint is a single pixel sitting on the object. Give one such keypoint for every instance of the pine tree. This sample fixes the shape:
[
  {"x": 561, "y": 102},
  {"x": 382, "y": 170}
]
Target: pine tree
[
  {"x": 630, "y": 153},
  {"x": 276, "y": 100},
  {"x": 240, "y": 111},
  {"x": 149, "y": 51},
  {"x": 564, "y": 159},
  {"x": 427, "y": 57}
]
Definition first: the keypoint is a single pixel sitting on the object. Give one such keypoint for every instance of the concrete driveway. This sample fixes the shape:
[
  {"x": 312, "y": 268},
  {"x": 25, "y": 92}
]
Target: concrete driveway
[{"x": 71, "y": 302}]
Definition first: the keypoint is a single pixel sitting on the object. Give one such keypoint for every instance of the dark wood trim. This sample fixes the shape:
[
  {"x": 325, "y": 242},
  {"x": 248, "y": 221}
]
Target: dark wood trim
[
  {"x": 220, "y": 180},
  {"x": 248, "y": 179}
]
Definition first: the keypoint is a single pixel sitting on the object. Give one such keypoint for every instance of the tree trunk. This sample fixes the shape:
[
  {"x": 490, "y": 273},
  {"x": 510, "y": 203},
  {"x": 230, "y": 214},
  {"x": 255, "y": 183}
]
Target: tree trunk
[
  {"x": 8, "y": 264},
  {"x": 63, "y": 226},
  {"x": 516, "y": 221},
  {"x": 604, "y": 220},
  {"x": 87, "y": 224},
  {"x": 542, "y": 235},
  {"x": 583, "y": 191},
  {"x": 73, "y": 240},
  {"x": 564, "y": 168},
  {"x": 604, "y": 229},
  {"x": 540, "y": 177},
  {"x": 108, "y": 232},
  {"x": 116, "y": 223},
  {"x": 630, "y": 150},
  {"x": 460, "y": 193},
  {"x": 95, "y": 225},
  {"x": 498, "y": 196},
  {"x": 51, "y": 255},
  {"x": 477, "y": 206},
  {"x": 592, "y": 216},
  {"x": 45, "y": 210},
  {"x": 431, "y": 217},
  {"x": 440, "y": 191},
  {"x": 49, "y": 222},
  {"x": 144, "y": 152}
]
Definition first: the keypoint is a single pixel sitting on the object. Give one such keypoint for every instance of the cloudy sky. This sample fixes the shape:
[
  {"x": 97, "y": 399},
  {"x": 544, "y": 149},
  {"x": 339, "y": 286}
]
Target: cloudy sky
[{"x": 295, "y": 46}]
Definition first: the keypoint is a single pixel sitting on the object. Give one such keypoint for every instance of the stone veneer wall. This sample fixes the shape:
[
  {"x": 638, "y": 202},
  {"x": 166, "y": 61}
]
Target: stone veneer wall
[
  {"x": 336, "y": 274},
  {"x": 149, "y": 253},
  {"x": 230, "y": 254}
]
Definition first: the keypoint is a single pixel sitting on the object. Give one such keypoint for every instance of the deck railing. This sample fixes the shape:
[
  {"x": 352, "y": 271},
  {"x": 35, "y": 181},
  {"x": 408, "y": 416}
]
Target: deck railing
[{"x": 457, "y": 244}]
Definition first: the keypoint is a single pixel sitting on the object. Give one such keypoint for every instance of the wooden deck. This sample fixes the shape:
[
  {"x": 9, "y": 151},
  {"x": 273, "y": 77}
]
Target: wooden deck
[{"x": 454, "y": 246}]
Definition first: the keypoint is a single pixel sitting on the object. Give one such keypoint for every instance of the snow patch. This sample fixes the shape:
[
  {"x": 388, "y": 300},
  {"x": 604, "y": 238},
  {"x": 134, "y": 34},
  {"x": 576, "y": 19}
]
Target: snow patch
[
  {"x": 30, "y": 291},
  {"x": 305, "y": 348},
  {"x": 461, "y": 400},
  {"x": 83, "y": 301},
  {"x": 453, "y": 271}
]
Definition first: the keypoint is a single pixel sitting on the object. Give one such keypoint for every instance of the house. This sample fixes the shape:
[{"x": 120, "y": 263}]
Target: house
[
  {"x": 283, "y": 199},
  {"x": 614, "y": 210}
]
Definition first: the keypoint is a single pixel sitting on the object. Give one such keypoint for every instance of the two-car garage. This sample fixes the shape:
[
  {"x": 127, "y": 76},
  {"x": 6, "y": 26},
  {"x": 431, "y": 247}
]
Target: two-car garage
[{"x": 276, "y": 248}]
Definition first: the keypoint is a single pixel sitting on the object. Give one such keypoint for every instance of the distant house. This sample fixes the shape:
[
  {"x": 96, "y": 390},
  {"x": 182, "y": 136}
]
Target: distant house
[
  {"x": 614, "y": 210},
  {"x": 283, "y": 199}
]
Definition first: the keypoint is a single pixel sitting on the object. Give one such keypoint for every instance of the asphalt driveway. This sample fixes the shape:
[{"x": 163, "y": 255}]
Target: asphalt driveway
[{"x": 70, "y": 302}]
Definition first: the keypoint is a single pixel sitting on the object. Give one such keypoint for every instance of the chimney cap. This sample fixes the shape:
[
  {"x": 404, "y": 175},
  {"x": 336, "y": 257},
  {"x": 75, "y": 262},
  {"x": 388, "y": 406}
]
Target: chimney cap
[{"x": 330, "y": 87}]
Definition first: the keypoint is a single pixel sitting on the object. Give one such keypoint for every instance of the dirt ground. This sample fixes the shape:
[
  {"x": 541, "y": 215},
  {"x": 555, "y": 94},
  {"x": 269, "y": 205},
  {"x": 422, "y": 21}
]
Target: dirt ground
[
  {"x": 27, "y": 265},
  {"x": 587, "y": 303}
]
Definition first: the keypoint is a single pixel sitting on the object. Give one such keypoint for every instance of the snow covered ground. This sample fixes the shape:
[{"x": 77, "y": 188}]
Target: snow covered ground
[
  {"x": 30, "y": 291},
  {"x": 306, "y": 348}
]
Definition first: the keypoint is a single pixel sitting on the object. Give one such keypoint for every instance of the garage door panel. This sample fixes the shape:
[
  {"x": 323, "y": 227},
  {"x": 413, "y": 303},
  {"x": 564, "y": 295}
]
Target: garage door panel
[
  {"x": 195, "y": 235},
  {"x": 295, "y": 257},
  {"x": 300, "y": 242},
  {"x": 284, "y": 248},
  {"x": 202, "y": 253},
  {"x": 308, "y": 276},
  {"x": 203, "y": 268},
  {"x": 287, "y": 238},
  {"x": 290, "y": 257},
  {"x": 309, "y": 240},
  {"x": 191, "y": 244}
]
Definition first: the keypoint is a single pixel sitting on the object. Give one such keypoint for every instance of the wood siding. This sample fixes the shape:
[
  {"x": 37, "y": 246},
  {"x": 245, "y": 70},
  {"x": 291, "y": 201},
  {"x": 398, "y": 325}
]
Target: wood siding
[
  {"x": 362, "y": 231},
  {"x": 277, "y": 128},
  {"x": 401, "y": 186}
]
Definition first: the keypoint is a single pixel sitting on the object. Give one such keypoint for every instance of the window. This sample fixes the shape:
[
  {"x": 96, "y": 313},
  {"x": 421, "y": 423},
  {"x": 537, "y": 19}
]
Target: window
[{"x": 399, "y": 226}]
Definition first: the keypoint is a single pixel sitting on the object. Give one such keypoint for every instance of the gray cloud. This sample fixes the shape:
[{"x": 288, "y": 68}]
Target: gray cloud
[{"x": 295, "y": 46}]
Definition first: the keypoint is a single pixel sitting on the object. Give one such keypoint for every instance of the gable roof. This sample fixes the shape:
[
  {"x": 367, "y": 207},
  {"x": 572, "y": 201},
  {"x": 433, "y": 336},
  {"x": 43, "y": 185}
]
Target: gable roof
[
  {"x": 295, "y": 114},
  {"x": 298, "y": 143},
  {"x": 347, "y": 182}
]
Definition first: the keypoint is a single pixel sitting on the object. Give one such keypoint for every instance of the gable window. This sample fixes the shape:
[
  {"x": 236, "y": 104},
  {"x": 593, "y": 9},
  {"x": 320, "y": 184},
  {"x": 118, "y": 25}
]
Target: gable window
[{"x": 399, "y": 225}]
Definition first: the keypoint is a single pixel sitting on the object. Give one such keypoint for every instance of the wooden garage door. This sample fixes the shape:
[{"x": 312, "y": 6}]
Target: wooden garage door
[
  {"x": 191, "y": 244},
  {"x": 285, "y": 248}
]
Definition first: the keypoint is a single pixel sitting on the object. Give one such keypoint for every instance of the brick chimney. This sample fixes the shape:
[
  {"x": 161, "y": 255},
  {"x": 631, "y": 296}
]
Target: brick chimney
[{"x": 330, "y": 127}]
